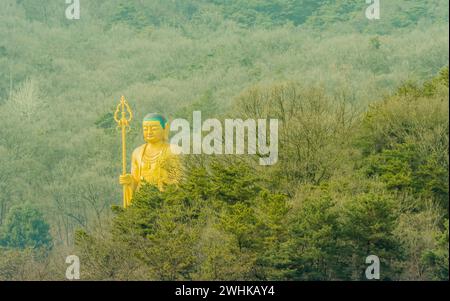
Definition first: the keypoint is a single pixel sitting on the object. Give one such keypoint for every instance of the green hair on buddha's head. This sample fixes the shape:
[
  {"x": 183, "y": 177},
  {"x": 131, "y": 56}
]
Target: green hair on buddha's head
[{"x": 156, "y": 117}]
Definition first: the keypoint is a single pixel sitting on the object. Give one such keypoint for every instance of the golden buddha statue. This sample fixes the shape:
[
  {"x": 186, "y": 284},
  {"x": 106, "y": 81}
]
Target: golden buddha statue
[{"x": 153, "y": 162}]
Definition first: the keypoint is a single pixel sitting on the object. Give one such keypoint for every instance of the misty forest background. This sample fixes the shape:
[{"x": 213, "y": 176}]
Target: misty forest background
[{"x": 363, "y": 164}]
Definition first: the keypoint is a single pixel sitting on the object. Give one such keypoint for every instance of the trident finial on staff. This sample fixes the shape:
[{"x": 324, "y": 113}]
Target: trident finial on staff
[{"x": 124, "y": 125}]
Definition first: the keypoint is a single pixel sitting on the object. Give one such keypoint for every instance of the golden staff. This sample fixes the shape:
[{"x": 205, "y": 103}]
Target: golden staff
[{"x": 124, "y": 123}]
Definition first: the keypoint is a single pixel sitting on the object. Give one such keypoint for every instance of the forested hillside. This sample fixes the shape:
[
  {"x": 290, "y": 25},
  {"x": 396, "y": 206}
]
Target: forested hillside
[{"x": 363, "y": 159}]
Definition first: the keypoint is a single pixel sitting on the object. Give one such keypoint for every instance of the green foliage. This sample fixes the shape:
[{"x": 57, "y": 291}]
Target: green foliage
[
  {"x": 106, "y": 121},
  {"x": 26, "y": 264},
  {"x": 436, "y": 260},
  {"x": 25, "y": 227},
  {"x": 170, "y": 232},
  {"x": 312, "y": 248},
  {"x": 265, "y": 12},
  {"x": 331, "y": 234},
  {"x": 129, "y": 14},
  {"x": 368, "y": 224},
  {"x": 312, "y": 128},
  {"x": 420, "y": 234},
  {"x": 375, "y": 43},
  {"x": 405, "y": 140},
  {"x": 394, "y": 166},
  {"x": 346, "y": 184}
]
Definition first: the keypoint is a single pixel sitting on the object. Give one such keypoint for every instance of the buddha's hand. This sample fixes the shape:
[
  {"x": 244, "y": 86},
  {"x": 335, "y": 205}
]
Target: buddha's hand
[{"x": 126, "y": 179}]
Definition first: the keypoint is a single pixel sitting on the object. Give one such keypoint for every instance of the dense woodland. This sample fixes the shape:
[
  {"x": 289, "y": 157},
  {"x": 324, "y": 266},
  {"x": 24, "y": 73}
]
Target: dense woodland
[{"x": 363, "y": 161}]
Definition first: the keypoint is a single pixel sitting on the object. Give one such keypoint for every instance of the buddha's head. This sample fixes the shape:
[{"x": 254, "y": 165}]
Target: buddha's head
[{"x": 155, "y": 128}]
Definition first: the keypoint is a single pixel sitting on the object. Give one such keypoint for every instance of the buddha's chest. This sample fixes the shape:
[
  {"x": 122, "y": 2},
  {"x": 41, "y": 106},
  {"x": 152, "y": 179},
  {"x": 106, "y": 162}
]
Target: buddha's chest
[{"x": 150, "y": 160}]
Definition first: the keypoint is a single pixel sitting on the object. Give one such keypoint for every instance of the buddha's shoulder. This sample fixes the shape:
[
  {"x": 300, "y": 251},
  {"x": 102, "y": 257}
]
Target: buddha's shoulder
[{"x": 138, "y": 150}]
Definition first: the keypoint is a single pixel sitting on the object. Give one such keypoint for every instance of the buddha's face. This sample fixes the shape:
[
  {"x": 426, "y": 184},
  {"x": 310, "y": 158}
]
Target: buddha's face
[{"x": 153, "y": 132}]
